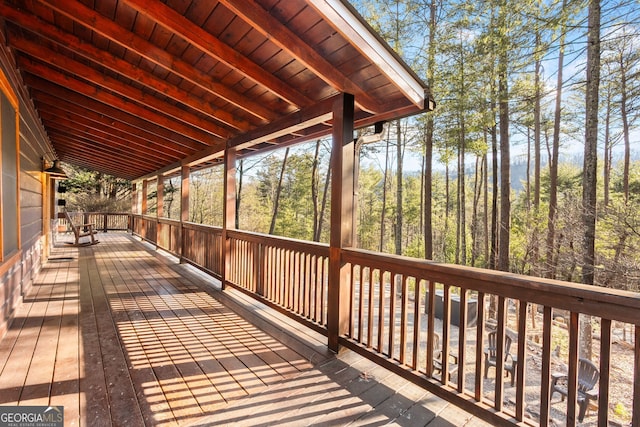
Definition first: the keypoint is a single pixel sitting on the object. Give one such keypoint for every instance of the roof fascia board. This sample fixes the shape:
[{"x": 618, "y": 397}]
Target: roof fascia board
[{"x": 344, "y": 20}]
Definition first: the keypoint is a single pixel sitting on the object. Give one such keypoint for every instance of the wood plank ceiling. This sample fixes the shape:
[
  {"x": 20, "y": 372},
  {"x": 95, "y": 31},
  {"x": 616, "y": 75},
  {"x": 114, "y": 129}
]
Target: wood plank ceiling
[{"x": 129, "y": 87}]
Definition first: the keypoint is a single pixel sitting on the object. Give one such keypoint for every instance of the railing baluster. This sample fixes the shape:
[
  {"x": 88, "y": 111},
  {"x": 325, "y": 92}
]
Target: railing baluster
[
  {"x": 392, "y": 314},
  {"x": 446, "y": 325},
  {"x": 370, "y": 310},
  {"x": 605, "y": 364},
  {"x": 403, "y": 325},
  {"x": 308, "y": 285},
  {"x": 462, "y": 339},
  {"x": 635, "y": 422},
  {"x": 545, "y": 390},
  {"x": 431, "y": 325},
  {"x": 363, "y": 277},
  {"x": 381, "y": 309},
  {"x": 502, "y": 308},
  {"x": 522, "y": 360},
  {"x": 479, "y": 384},
  {"x": 416, "y": 326},
  {"x": 352, "y": 300},
  {"x": 572, "y": 382}
]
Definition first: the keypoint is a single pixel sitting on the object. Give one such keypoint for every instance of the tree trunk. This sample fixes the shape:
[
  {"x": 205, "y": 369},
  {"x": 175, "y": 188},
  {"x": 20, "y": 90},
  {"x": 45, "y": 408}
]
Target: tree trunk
[
  {"x": 399, "y": 187},
  {"x": 462, "y": 200},
  {"x": 553, "y": 157},
  {"x": 276, "y": 201},
  {"x": 590, "y": 171},
  {"x": 239, "y": 192},
  {"x": 315, "y": 183},
  {"x": 606, "y": 173},
  {"x": 383, "y": 214},
  {"x": 485, "y": 220},
  {"x": 493, "y": 258},
  {"x": 475, "y": 220},
  {"x": 447, "y": 210},
  {"x": 323, "y": 206},
  {"x": 428, "y": 148},
  {"x": 625, "y": 126},
  {"x": 528, "y": 173},
  {"x": 505, "y": 164}
]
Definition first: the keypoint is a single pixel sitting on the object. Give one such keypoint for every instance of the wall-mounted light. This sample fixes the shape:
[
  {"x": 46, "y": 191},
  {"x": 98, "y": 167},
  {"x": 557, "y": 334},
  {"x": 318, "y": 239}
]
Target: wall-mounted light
[{"x": 55, "y": 171}]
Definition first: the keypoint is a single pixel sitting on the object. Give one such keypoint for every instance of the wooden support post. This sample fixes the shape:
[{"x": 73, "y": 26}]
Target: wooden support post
[
  {"x": 160, "y": 196},
  {"x": 229, "y": 218},
  {"x": 143, "y": 208},
  {"x": 160, "y": 243},
  {"x": 185, "y": 174},
  {"x": 145, "y": 194},
  {"x": 134, "y": 206},
  {"x": 342, "y": 164},
  {"x": 134, "y": 198}
]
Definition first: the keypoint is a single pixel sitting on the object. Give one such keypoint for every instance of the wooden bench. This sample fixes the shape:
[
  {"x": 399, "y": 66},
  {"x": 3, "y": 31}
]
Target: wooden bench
[{"x": 83, "y": 230}]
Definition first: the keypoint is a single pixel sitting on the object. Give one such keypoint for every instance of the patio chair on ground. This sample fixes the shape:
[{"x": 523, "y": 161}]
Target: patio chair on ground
[
  {"x": 588, "y": 376},
  {"x": 490, "y": 355},
  {"x": 437, "y": 358},
  {"x": 82, "y": 230}
]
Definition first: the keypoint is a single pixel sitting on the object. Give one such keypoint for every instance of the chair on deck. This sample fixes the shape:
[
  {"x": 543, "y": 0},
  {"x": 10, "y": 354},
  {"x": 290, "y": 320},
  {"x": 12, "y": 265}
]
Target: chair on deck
[
  {"x": 491, "y": 353},
  {"x": 437, "y": 357},
  {"x": 83, "y": 230},
  {"x": 588, "y": 376}
]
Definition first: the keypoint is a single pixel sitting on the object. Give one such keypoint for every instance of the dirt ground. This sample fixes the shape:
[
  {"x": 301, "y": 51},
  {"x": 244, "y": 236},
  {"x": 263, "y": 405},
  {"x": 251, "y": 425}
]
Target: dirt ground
[{"x": 620, "y": 388}]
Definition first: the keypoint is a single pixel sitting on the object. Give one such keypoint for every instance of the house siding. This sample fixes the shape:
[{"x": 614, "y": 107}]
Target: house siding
[{"x": 17, "y": 272}]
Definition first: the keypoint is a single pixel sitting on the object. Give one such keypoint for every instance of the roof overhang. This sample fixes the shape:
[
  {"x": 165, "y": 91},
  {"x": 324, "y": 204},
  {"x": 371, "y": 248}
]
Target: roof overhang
[{"x": 130, "y": 87}]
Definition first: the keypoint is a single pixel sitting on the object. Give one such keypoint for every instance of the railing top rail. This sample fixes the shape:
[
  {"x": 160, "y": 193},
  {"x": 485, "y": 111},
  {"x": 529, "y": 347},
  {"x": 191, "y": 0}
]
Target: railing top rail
[
  {"x": 284, "y": 242},
  {"x": 165, "y": 220},
  {"x": 608, "y": 303},
  {"x": 100, "y": 213},
  {"x": 195, "y": 226}
]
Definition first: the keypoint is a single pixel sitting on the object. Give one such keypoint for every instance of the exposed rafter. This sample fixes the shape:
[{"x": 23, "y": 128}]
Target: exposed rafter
[{"x": 133, "y": 87}]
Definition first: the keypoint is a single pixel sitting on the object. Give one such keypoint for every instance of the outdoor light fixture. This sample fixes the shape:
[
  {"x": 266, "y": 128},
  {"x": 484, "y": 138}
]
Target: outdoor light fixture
[{"x": 54, "y": 171}]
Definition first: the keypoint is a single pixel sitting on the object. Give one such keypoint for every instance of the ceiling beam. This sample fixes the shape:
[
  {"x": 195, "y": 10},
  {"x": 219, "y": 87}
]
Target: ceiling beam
[
  {"x": 103, "y": 81},
  {"x": 119, "y": 119},
  {"x": 106, "y": 59},
  {"x": 80, "y": 126},
  {"x": 207, "y": 43},
  {"x": 117, "y": 154},
  {"x": 73, "y": 84},
  {"x": 71, "y": 151},
  {"x": 321, "y": 112},
  {"x": 287, "y": 40},
  {"x": 93, "y": 21},
  {"x": 63, "y": 109}
]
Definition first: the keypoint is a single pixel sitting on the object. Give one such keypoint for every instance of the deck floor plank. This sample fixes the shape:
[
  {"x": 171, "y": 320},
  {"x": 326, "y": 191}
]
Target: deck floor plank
[
  {"x": 120, "y": 334},
  {"x": 66, "y": 384},
  {"x": 13, "y": 376}
]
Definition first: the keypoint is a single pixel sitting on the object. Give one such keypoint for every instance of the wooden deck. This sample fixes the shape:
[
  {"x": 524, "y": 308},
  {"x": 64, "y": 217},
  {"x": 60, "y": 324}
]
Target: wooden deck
[{"x": 121, "y": 335}]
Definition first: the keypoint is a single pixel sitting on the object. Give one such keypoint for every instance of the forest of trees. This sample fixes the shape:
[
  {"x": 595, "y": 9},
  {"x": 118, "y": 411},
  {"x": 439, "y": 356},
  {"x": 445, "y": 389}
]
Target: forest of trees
[
  {"x": 529, "y": 163},
  {"x": 525, "y": 87}
]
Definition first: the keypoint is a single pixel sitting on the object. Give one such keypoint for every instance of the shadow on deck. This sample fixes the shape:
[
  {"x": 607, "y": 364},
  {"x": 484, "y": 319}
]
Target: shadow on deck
[{"x": 119, "y": 334}]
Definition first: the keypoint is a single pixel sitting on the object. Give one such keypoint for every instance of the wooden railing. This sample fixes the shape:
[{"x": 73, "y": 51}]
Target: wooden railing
[
  {"x": 394, "y": 309},
  {"x": 404, "y": 313},
  {"x": 203, "y": 247},
  {"x": 103, "y": 221},
  {"x": 289, "y": 275}
]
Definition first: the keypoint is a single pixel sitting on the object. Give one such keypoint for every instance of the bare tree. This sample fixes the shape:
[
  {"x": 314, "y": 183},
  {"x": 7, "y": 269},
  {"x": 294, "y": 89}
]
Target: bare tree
[
  {"x": 589, "y": 178},
  {"x": 554, "y": 153},
  {"x": 276, "y": 201}
]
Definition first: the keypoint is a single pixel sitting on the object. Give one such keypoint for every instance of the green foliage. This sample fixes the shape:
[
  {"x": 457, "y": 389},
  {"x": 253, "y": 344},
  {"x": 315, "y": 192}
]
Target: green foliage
[
  {"x": 92, "y": 191},
  {"x": 206, "y": 196}
]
